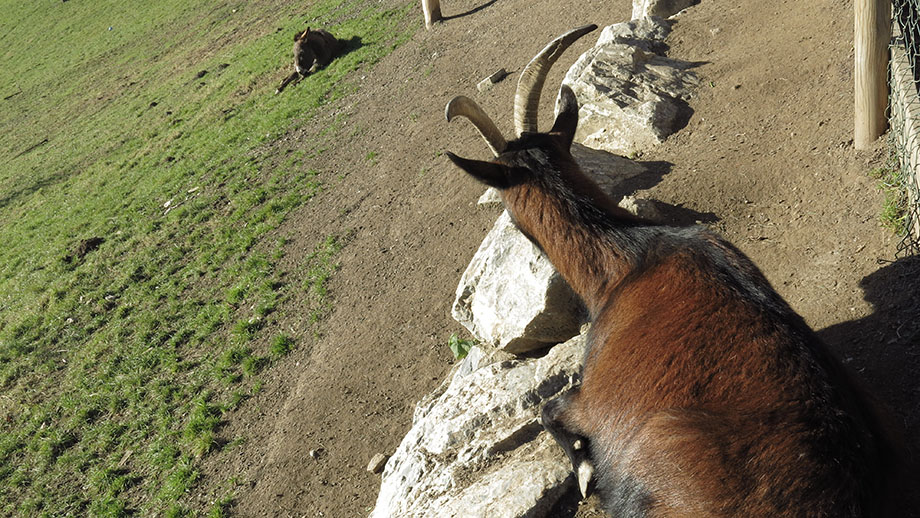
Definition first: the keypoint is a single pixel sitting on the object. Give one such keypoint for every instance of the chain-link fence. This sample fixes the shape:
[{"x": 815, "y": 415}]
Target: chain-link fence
[{"x": 904, "y": 110}]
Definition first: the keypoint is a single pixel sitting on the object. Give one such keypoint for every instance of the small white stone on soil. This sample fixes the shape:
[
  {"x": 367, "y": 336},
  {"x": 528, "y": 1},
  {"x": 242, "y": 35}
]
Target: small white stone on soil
[
  {"x": 490, "y": 197},
  {"x": 487, "y": 83},
  {"x": 378, "y": 461},
  {"x": 647, "y": 209}
]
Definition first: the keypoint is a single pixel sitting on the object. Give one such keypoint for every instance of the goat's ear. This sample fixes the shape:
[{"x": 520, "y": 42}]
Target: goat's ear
[
  {"x": 567, "y": 120},
  {"x": 489, "y": 173}
]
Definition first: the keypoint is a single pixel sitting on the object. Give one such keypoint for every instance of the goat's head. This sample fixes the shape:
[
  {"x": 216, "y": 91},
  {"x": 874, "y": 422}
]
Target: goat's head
[
  {"x": 530, "y": 154},
  {"x": 304, "y": 55}
]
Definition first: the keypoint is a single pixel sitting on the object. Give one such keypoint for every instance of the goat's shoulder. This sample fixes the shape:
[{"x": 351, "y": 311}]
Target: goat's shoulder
[{"x": 705, "y": 255}]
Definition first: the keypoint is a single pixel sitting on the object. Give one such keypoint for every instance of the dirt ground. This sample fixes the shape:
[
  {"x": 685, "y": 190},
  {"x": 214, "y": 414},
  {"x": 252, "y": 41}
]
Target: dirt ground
[{"x": 766, "y": 158}]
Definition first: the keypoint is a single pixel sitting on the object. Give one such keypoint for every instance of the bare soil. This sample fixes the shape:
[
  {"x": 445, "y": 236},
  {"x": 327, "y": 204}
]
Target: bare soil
[{"x": 766, "y": 158}]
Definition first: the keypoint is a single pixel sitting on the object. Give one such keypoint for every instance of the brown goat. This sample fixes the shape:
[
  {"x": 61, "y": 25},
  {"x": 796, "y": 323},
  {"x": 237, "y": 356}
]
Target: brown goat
[
  {"x": 312, "y": 49},
  {"x": 703, "y": 393}
]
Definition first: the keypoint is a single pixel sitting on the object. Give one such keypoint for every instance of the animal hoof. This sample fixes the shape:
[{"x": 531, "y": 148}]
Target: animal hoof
[{"x": 584, "y": 474}]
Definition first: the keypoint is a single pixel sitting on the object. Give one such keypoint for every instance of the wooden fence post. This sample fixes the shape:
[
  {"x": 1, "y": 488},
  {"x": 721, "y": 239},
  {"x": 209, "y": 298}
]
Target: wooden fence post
[{"x": 872, "y": 34}]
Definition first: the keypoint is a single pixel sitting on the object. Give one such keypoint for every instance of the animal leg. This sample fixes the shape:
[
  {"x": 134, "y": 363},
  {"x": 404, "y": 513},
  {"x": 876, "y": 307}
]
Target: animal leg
[
  {"x": 575, "y": 445},
  {"x": 295, "y": 76}
]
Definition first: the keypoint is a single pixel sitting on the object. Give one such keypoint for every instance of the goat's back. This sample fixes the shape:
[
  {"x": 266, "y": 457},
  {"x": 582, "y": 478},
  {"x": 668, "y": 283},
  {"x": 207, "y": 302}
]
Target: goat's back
[{"x": 704, "y": 394}]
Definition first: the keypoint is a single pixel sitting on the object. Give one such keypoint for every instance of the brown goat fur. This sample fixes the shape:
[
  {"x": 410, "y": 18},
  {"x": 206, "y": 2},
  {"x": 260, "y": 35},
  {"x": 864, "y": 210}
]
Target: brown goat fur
[
  {"x": 313, "y": 48},
  {"x": 703, "y": 393}
]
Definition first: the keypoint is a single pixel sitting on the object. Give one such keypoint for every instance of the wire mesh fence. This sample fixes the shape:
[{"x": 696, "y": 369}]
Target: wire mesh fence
[{"x": 904, "y": 114}]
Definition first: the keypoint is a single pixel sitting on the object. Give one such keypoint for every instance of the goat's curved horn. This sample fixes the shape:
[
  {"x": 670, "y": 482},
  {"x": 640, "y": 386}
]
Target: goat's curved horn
[
  {"x": 527, "y": 98},
  {"x": 468, "y": 108}
]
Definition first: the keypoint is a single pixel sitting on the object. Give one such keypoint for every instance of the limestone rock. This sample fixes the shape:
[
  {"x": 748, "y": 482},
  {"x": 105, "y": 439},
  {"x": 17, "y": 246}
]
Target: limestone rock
[
  {"x": 490, "y": 197},
  {"x": 476, "y": 447},
  {"x": 377, "y": 462},
  {"x": 609, "y": 171},
  {"x": 511, "y": 298},
  {"x": 660, "y": 8},
  {"x": 630, "y": 95},
  {"x": 646, "y": 209}
]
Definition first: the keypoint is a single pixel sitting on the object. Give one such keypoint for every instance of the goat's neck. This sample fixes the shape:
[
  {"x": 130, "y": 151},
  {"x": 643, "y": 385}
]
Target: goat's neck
[{"x": 592, "y": 258}]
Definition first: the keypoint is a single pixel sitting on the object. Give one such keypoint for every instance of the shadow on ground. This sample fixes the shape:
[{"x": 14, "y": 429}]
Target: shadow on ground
[
  {"x": 883, "y": 349},
  {"x": 471, "y": 11}
]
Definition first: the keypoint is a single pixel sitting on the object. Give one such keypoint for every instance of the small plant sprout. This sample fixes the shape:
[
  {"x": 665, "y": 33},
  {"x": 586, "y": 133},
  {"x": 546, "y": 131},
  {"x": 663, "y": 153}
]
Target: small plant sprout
[{"x": 459, "y": 347}]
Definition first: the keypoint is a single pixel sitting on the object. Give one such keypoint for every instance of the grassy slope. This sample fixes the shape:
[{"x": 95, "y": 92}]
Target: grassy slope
[{"x": 145, "y": 124}]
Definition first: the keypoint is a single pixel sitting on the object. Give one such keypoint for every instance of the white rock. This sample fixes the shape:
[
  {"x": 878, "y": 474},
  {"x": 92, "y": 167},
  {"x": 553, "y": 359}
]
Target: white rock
[
  {"x": 647, "y": 209},
  {"x": 377, "y": 462},
  {"x": 526, "y": 486},
  {"x": 510, "y": 297},
  {"x": 660, "y": 8},
  {"x": 476, "y": 447},
  {"x": 611, "y": 172},
  {"x": 630, "y": 96},
  {"x": 490, "y": 197}
]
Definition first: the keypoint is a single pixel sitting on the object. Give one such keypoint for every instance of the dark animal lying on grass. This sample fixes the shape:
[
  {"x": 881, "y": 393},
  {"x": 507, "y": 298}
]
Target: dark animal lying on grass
[
  {"x": 703, "y": 393},
  {"x": 313, "y": 49}
]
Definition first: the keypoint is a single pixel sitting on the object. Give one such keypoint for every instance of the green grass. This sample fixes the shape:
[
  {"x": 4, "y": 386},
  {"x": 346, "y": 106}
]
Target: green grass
[
  {"x": 894, "y": 207},
  {"x": 316, "y": 270},
  {"x": 118, "y": 366}
]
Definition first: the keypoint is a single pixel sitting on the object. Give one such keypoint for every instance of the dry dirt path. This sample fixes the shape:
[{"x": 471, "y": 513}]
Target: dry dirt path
[{"x": 766, "y": 158}]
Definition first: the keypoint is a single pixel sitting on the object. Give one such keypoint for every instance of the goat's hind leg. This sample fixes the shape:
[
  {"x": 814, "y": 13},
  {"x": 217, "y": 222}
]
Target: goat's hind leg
[{"x": 556, "y": 421}]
